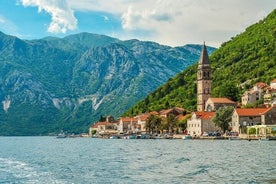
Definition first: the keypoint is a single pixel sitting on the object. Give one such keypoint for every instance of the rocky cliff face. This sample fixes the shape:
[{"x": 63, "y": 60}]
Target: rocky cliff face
[{"x": 67, "y": 83}]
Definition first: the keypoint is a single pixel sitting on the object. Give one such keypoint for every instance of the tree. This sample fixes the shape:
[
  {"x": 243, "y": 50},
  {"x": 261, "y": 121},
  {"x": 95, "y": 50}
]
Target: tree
[
  {"x": 222, "y": 117},
  {"x": 153, "y": 123},
  {"x": 171, "y": 123},
  {"x": 227, "y": 89},
  {"x": 182, "y": 124}
]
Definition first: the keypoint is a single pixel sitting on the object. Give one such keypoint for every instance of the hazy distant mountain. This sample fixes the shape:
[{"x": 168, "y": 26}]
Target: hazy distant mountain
[{"x": 67, "y": 83}]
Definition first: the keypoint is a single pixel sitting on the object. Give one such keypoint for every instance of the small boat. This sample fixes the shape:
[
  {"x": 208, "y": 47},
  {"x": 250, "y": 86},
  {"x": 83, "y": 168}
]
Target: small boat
[
  {"x": 264, "y": 139},
  {"x": 144, "y": 136},
  {"x": 132, "y": 136},
  {"x": 187, "y": 137},
  {"x": 114, "y": 137},
  {"x": 61, "y": 135}
]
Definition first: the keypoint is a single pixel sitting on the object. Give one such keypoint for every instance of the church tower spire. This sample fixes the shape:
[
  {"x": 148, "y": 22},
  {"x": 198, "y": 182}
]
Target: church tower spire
[{"x": 203, "y": 79}]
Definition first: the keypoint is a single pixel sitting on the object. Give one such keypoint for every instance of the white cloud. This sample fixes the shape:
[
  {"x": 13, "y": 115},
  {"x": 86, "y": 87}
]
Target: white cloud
[
  {"x": 62, "y": 15},
  {"x": 170, "y": 22},
  {"x": 2, "y": 20},
  {"x": 177, "y": 22}
]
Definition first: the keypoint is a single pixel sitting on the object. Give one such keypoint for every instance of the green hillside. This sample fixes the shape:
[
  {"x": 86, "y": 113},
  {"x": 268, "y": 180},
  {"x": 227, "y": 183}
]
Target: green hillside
[{"x": 247, "y": 58}]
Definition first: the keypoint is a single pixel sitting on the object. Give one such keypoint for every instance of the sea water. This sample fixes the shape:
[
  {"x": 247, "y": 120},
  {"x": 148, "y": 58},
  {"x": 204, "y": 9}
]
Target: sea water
[{"x": 88, "y": 160}]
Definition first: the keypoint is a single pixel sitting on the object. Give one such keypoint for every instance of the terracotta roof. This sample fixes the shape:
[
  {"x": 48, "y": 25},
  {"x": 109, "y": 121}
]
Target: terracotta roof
[
  {"x": 252, "y": 111},
  {"x": 154, "y": 113},
  {"x": 128, "y": 119},
  {"x": 181, "y": 116},
  {"x": 143, "y": 117},
  {"x": 208, "y": 115},
  {"x": 273, "y": 81},
  {"x": 101, "y": 123},
  {"x": 166, "y": 111},
  {"x": 204, "y": 115},
  {"x": 261, "y": 85},
  {"x": 222, "y": 100}
]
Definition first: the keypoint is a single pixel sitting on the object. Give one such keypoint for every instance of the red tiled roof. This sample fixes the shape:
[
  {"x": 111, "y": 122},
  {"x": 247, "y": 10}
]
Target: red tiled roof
[
  {"x": 222, "y": 100},
  {"x": 204, "y": 115},
  {"x": 144, "y": 118},
  {"x": 273, "y": 81},
  {"x": 154, "y": 113},
  {"x": 261, "y": 85},
  {"x": 129, "y": 119},
  {"x": 101, "y": 123},
  {"x": 181, "y": 116},
  {"x": 208, "y": 115},
  {"x": 166, "y": 111},
  {"x": 252, "y": 111},
  {"x": 163, "y": 112}
]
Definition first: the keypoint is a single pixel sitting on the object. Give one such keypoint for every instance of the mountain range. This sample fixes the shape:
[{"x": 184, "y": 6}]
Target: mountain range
[{"x": 54, "y": 84}]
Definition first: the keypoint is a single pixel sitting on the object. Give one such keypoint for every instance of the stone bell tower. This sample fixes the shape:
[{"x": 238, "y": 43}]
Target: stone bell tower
[{"x": 203, "y": 79}]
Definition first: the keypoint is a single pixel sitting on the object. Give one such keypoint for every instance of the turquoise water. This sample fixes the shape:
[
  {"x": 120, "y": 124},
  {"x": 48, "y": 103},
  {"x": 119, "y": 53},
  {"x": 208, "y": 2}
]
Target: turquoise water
[{"x": 86, "y": 160}]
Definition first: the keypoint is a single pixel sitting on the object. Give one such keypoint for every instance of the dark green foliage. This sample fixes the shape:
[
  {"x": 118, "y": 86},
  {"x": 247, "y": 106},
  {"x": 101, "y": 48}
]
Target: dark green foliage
[
  {"x": 21, "y": 124},
  {"x": 247, "y": 58},
  {"x": 170, "y": 123},
  {"x": 229, "y": 90},
  {"x": 222, "y": 117},
  {"x": 153, "y": 124}
]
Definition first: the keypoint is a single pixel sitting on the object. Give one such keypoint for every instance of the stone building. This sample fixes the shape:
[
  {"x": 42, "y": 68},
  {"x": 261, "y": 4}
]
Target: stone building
[
  {"x": 252, "y": 116},
  {"x": 214, "y": 104},
  {"x": 201, "y": 122},
  {"x": 255, "y": 94},
  {"x": 203, "y": 80}
]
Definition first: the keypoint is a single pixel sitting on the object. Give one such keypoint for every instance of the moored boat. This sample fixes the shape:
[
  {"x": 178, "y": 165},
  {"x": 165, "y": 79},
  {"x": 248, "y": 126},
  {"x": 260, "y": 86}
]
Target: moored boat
[
  {"x": 114, "y": 137},
  {"x": 61, "y": 135},
  {"x": 187, "y": 137}
]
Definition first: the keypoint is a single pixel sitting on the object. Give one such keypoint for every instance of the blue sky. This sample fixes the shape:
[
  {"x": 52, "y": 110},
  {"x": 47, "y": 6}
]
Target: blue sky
[{"x": 168, "y": 22}]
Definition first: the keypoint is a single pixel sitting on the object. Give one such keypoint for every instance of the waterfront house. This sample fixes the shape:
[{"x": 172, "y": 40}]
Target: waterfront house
[
  {"x": 128, "y": 125},
  {"x": 252, "y": 116},
  {"x": 142, "y": 119},
  {"x": 103, "y": 128},
  {"x": 254, "y": 94},
  {"x": 106, "y": 125},
  {"x": 214, "y": 104},
  {"x": 201, "y": 122}
]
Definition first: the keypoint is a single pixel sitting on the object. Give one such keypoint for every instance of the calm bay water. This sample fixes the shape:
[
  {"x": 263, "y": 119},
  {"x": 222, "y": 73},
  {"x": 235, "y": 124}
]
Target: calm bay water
[{"x": 85, "y": 160}]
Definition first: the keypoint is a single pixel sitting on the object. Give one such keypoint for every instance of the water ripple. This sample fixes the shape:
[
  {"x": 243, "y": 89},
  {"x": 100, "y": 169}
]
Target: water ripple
[{"x": 49, "y": 160}]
